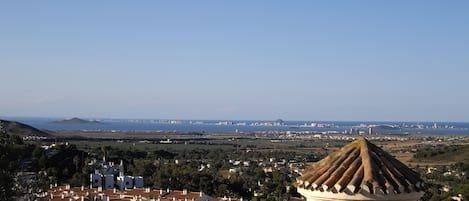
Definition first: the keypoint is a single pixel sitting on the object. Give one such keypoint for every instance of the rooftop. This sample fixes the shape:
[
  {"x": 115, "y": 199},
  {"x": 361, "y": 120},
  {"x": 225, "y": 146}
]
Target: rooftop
[
  {"x": 82, "y": 193},
  {"x": 360, "y": 168}
]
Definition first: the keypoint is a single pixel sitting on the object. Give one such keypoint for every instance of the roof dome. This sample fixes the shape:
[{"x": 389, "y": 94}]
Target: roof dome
[{"x": 360, "y": 169}]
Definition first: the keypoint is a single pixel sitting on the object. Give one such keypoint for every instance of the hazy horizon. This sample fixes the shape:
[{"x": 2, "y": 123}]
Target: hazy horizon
[
  {"x": 198, "y": 119},
  {"x": 335, "y": 61}
]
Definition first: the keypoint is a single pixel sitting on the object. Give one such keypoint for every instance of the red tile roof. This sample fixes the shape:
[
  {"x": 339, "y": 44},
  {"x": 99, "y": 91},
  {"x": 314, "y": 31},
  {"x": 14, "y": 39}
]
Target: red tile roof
[
  {"x": 56, "y": 193},
  {"x": 360, "y": 166}
]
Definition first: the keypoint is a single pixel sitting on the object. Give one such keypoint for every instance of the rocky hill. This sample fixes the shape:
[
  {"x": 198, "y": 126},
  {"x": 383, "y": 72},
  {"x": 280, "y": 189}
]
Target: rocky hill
[
  {"x": 20, "y": 129},
  {"x": 75, "y": 120}
]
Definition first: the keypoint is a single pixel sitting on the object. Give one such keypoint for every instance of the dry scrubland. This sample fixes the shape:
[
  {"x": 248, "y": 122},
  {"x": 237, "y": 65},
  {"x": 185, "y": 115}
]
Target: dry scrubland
[{"x": 404, "y": 150}]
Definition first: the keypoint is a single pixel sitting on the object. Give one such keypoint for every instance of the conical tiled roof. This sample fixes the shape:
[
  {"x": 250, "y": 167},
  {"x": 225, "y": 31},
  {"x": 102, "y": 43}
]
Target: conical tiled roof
[{"x": 360, "y": 168}]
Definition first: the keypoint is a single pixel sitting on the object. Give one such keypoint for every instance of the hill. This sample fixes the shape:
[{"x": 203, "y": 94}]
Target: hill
[
  {"x": 20, "y": 129},
  {"x": 75, "y": 120}
]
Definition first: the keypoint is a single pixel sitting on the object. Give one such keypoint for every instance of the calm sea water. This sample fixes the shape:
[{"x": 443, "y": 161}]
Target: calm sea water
[{"x": 450, "y": 128}]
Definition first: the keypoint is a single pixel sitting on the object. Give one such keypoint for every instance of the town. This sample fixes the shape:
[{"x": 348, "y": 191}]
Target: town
[{"x": 191, "y": 166}]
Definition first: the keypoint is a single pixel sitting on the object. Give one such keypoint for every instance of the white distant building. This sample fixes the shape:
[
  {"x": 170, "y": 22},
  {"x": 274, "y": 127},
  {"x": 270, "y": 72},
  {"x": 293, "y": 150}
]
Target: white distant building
[
  {"x": 167, "y": 141},
  {"x": 108, "y": 175}
]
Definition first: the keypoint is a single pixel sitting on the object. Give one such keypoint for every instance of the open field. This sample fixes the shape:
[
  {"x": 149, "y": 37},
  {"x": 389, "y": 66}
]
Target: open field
[
  {"x": 405, "y": 151},
  {"x": 403, "y": 147}
]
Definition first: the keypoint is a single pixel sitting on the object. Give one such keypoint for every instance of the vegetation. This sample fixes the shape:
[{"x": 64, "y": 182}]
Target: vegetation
[
  {"x": 199, "y": 166},
  {"x": 27, "y": 168},
  {"x": 18, "y": 129},
  {"x": 12, "y": 149},
  {"x": 214, "y": 166},
  {"x": 443, "y": 153},
  {"x": 445, "y": 181},
  {"x": 207, "y": 170}
]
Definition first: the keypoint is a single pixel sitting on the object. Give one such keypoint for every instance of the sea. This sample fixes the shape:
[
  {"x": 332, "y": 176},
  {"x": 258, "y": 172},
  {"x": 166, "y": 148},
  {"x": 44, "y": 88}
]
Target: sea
[{"x": 249, "y": 126}]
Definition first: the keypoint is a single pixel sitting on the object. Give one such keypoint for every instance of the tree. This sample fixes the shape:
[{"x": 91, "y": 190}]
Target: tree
[
  {"x": 8, "y": 160},
  {"x": 15, "y": 139},
  {"x": 222, "y": 190},
  {"x": 6, "y": 184}
]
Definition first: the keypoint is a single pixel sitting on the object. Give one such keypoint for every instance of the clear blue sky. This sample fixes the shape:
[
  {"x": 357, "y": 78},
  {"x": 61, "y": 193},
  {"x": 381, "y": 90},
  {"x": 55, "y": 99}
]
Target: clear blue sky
[{"x": 295, "y": 60}]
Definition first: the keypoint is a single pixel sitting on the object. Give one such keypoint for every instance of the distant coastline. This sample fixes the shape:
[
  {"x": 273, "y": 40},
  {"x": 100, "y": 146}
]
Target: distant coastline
[{"x": 249, "y": 126}]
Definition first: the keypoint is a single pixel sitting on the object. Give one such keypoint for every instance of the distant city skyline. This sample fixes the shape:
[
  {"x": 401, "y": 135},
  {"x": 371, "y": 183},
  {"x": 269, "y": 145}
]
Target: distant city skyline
[{"x": 239, "y": 60}]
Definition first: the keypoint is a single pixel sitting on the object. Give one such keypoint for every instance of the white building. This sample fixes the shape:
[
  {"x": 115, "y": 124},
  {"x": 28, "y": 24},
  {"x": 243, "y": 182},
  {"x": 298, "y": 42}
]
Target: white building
[
  {"x": 108, "y": 175},
  {"x": 125, "y": 182}
]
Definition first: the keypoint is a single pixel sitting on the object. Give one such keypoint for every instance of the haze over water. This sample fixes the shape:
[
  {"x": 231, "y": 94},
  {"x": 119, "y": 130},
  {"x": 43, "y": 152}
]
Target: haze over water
[{"x": 213, "y": 126}]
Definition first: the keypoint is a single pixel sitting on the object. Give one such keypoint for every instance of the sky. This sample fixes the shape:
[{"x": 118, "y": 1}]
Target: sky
[{"x": 240, "y": 60}]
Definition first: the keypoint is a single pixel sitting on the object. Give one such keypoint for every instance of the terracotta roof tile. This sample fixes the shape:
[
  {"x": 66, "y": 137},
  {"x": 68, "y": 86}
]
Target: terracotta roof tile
[
  {"x": 360, "y": 167},
  {"x": 56, "y": 193}
]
